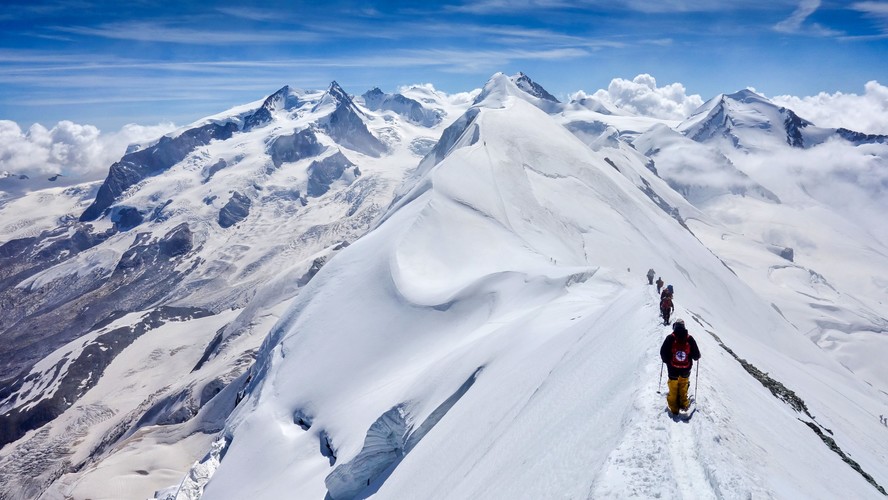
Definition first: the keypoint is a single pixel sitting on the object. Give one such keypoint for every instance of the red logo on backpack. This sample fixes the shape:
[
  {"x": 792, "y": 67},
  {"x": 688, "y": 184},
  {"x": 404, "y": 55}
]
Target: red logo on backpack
[{"x": 681, "y": 353}]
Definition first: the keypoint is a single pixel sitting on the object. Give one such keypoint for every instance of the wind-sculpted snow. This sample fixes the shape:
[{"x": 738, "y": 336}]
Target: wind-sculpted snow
[
  {"x": 523, "y": 251},
  {"x": 388, "y": 441},
  {"x": 290, "y": 203},
  {"x": 518, "y": 245}
]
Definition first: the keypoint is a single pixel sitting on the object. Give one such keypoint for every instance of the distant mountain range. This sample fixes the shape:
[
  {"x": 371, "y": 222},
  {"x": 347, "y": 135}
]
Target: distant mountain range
[{"x": 411, "y": 296}]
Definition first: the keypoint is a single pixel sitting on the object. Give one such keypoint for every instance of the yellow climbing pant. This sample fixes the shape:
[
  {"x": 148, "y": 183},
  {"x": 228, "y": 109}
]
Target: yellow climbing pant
[{"x": 678, "y": 394}]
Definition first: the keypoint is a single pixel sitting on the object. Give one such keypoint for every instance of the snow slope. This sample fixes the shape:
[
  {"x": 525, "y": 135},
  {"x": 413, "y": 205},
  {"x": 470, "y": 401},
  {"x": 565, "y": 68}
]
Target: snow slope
[
  {"x": 228, "y": 217},
  {"x": 493, "y": 338},
  {"x": 804, "y": 226}
]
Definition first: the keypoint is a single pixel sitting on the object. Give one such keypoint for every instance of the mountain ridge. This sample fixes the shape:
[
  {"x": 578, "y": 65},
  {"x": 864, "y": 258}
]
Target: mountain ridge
[{"x": 408, "y": 277}]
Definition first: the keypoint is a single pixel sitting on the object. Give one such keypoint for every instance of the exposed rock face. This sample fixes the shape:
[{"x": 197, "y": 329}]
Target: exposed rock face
[
  {"x": 346, "y": 126},
  {"x": 76, "y": 376},
  {"x": 179, "y": 241},
  {"x": 236, "y": 210},
  {"x": 290, "y": 148},
  {"x": 861, "y": 138},
  {"x": 126, "y": 218},
  {"x": 322, "y": 173},
  {"x": 794, "y": 125},
  {"x": 210, "y": 171},
  {"x": 23, "y": 258},
  {"x": 38, "y": 317},
  {"x": 533, "y": 88},
  {"x": 412, "y": 110},
  {"x": 136, "y": 166}
]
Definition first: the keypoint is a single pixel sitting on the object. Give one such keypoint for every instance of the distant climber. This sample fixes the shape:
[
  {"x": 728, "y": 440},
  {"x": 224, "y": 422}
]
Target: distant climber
[
  {"x": 666, "y": 308},
  {"x": 659, "y": 284},
  {"x": 679, "y": 351},
  {"x": 650, "y": 276},
  {"x": 671, "y": 291}
]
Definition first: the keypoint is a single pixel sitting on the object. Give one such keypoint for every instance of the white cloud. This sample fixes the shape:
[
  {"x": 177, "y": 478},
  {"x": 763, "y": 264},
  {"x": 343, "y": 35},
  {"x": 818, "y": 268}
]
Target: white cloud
[
  {"x": 853, "y": 180},
  {"x": 795, "y": 23},
  {"x": 866, "y": 113},
  {"x": 641, "y": 96},
  {"x": 79, "y": 153}
]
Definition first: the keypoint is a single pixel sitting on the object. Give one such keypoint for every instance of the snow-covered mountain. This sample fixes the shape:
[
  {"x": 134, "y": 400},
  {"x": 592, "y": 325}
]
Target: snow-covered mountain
[
  {"x": 492, "y": 337},
  {"x": 188, "y": 251},
  {"x": 801, "y": 216},
  {"x": 750, "y": 121},
  {"x": 412, "y": 296}
]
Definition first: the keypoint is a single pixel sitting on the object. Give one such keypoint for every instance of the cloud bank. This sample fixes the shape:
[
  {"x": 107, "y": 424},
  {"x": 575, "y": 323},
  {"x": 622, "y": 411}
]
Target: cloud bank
[
  {"x": 866, "y": 113},
  {"x": 80, "y": 153},
  {"x": 642, "y": 96}
]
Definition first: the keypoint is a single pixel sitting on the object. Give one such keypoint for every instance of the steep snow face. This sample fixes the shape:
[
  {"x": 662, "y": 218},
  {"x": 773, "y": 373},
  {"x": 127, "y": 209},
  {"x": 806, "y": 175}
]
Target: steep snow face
[
  {"x": 493, "y": 338},
  {"x": 215, "y": 223},
  {"x": 746, "y": 119}
]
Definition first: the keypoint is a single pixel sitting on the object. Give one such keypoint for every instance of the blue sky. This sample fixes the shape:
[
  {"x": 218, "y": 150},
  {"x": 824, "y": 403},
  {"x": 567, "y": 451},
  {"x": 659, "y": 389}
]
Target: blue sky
[{"x": 144, "y": 61}]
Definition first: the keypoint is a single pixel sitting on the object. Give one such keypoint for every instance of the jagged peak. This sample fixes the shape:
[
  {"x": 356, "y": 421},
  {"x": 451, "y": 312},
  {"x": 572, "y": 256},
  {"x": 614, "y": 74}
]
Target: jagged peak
[
  {"x": 280, "y": 92},
  {"x": 277, "y": 99},
  {"x": 281, "y": 99},
  {"x": 338, "y": 93},
  {"x": 525, "y": 83},
  {"x": 339, "y": 97}
]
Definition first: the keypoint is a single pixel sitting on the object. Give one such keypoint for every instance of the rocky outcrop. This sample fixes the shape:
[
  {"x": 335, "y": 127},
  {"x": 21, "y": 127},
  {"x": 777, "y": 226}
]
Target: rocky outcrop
[
  {"x": 236, "y": 210},
  {"x": 134, "y": 167},
  {"x": 294, "y": 147},
  {"x": 322, "y": 173}
]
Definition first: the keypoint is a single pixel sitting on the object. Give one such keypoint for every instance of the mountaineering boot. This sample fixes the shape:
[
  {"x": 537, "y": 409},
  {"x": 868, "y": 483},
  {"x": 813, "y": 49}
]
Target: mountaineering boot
[{"x": 672, "y": 396}]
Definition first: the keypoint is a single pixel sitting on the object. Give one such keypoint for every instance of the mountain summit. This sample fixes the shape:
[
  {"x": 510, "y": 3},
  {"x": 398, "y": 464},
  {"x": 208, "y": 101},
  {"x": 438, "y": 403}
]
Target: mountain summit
[
  {"x": 322, "y": 295},
  {"x": 499, "y": 307}
]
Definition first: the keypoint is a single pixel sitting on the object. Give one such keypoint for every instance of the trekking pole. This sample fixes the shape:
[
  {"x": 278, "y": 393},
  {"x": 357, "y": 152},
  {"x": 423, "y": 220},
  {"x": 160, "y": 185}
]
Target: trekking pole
[
  {"x": 697, "y": 380},
  {"x": 660, "y": 382}
]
